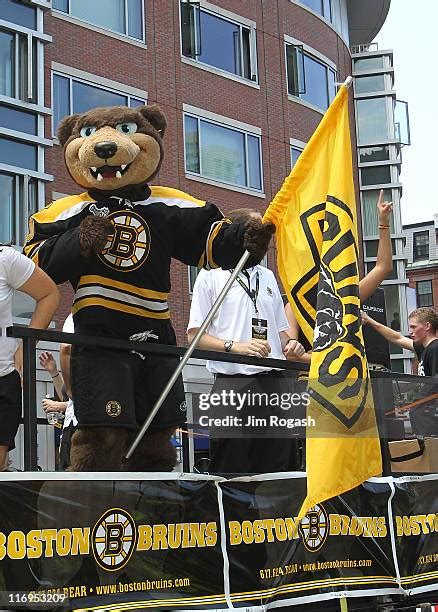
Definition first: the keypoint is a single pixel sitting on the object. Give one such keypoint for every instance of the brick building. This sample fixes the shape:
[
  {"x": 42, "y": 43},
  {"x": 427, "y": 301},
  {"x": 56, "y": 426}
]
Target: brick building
[
  {"x": 243, "y": 85},
  {"x": 422, "y": 260}
]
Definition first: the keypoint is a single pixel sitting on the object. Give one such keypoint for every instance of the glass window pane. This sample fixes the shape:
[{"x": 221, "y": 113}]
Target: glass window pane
[
  {"x": 375, "y": 175},
  {"x": 368, "y": 63},
  {"x": 371, "y": 247},
  {"x": 18, "y": 120},
  {"x": 327, "y": 9},
  {"x": 191, "y": 144},
  {"x": 295, "y": 153},
  {"x": 401, "y": 117},
  {"x": 220, "y": 44},
  {"x": 255, "y": 178},
  {"x": 7, "y": 208},
  {"x": 392, "y": 307},
  {"x": 18, "y": 12},
  {"x": 331, "y": 84},
  {"x": 60, "y": 5},
  {"x": 368, "y": 84},
  {"x": 424, "y": 293},
  {"x": 369, "y": 219},
  {"x": 86, "y": 97},
  {"x": 397, "y": 365},
  {"x": 135, "y": 20},
  {"x": 246, "y": 54},
  {"x": 391, "y": 276},
  {"x": 421, "y": 245},
  {"x": 109, "y": 14},
  {"x": 18, "y": 154},
  {"x": 7, "y": 72},
  {"x": 134, "y": 102},
  {"x": 372, "y": 120},
  {"x": 61, "y": 99},
  {"x": 315, "y": 5},
  {"x": 316, "y": 83},
  {"x": 223, "y": 154},
  {"x": 371, "y": 154}
]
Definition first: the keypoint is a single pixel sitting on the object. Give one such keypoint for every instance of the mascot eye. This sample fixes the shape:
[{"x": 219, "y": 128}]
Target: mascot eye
[
  {"x": 88, "y": 130},
  {"x": 127, "y": 128}
]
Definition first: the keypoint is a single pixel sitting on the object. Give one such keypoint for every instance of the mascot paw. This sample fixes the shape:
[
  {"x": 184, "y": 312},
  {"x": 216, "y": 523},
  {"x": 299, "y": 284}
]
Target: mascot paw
[
  {"x": 257, "y": 238},
  {"x": 93, "y": 234}
]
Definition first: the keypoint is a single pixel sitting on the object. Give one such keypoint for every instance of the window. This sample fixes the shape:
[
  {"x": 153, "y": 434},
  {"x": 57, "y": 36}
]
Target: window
[
  {"x": 193, "y": 273},
  {"x": 369, "y": 84},
  {"x": 372, "y": 154},
  {"x": 72, "y": 95},
  {"x": 309, "y": 78},
  {"x": 372, "y": 120},
  {"x": 368, "y": 63},
  {"x": 18, "y": 120},
  {"x": 375, "y": 175},
  {"x": 421, "y": 245},
  {"x": 217, "y": 41},
  {"x": 18, "y": 200},
  {"x": 391, "y": 276},
  {"x": 20, "y": 13},
  {"x": 295, "y": 152},
  {"x": 18, "y": 55},
  {"x": 424, "y": 293},
  {"x": 222, "y": 153},
  {"x": 20, "y": 154},
  {"x": 121, "y": 16},
  {"x": 322, "y": 7},
  {"x": 371, "y": 247},
  {"x": 369, "y": 205}
]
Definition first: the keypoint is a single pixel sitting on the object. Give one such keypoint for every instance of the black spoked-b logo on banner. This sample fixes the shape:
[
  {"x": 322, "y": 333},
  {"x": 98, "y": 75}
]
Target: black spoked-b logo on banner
[{"x": 114, "y": 539}]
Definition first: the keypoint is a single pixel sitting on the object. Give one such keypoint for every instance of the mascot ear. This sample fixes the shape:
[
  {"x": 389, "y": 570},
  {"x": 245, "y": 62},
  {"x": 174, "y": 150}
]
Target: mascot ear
[
  {"x": 65, "y": 128},
  {"x": 155, "y": 117}
]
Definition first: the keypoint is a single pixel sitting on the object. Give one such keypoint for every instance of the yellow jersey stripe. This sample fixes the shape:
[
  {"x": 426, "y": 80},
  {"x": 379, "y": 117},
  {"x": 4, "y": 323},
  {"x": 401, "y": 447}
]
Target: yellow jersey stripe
[
  {"x": 168, "y": 192},
  {"x": 95, "y": 279},
  {"x": 52, "y": 211},
  {"x": 106, "y": 303},
  {"x": 210, "y": 240}
]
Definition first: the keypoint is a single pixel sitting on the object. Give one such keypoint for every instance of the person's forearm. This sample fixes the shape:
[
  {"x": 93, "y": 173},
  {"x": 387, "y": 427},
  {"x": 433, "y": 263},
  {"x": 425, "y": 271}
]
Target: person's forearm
[
  {"x": 210, "y": 343},
  {"x": 389, "y": 334},
  {"x": 58, "y": 383},
  {"x": 44, "y": 311},
  {"x": 64, "y": 360},
  {"x": 384, "y": 251}
]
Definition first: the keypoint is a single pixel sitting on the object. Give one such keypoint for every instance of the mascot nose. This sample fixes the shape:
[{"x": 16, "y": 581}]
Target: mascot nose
[{"x": 106, "y": 149}]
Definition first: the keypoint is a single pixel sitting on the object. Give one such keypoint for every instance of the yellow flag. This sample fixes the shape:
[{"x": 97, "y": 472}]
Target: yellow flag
[{"x": 316, "y": 232}]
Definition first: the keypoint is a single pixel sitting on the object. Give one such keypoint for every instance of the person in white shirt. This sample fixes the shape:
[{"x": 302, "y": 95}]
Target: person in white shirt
[
  {"x": 18, "y": 272},
  {"x": 250, "y": 321}
]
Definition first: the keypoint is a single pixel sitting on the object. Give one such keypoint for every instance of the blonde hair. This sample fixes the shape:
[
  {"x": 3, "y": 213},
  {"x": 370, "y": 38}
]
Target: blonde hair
[{"x": 426, "y": 314}]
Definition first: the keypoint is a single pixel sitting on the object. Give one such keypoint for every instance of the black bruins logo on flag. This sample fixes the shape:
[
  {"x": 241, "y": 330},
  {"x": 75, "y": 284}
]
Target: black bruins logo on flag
[
  {"x": 114, "y": 539},
  {"x": 129, "y": 247},
  {"x": 331, "y": 288}
]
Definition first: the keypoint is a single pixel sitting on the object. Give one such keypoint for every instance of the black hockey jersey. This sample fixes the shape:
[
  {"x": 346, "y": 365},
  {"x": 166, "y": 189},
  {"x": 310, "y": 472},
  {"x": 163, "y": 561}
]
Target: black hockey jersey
[{"x": 132, "y": 274}]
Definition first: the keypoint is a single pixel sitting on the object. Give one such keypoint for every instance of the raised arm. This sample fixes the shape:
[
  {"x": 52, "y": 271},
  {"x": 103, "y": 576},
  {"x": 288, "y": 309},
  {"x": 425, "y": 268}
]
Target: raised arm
[
  {"x": 383, "y": 267},
  {"x": 392, "y": 336}
]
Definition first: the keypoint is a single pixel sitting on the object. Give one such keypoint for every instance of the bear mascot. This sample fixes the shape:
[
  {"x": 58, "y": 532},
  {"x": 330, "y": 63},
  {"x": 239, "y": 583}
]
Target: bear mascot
[{"x": 114, "y": 243}]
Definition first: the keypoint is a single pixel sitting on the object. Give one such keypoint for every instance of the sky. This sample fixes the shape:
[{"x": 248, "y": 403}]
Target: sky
[{"x": 410, "y": 31}]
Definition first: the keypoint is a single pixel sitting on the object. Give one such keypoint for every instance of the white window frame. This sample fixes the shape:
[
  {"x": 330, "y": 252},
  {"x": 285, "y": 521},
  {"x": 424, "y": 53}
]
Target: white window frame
[
  {"x": 141, "y": 42},
  {"x": 311, "y": 10},
  {"x": 238, "y": 20},
  {"x": 316, "y": 56},
  {"x": 295, "y": 144},
  {"x": 73, "y": 74},
  {"x": 233, "y": 124}
]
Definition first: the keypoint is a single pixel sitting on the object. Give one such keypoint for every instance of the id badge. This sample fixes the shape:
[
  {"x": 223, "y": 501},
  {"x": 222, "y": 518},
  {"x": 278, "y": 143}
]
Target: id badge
[{"x": 260, "y": 329}]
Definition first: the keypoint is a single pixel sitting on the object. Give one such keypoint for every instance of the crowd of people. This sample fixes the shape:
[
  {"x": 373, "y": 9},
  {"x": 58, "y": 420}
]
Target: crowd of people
[{"x": 252, "y": 321}]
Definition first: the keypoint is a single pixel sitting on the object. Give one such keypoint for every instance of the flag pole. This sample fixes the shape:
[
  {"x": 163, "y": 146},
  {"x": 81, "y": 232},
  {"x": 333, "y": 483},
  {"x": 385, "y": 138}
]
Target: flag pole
[{"x": 188, "y": 354}]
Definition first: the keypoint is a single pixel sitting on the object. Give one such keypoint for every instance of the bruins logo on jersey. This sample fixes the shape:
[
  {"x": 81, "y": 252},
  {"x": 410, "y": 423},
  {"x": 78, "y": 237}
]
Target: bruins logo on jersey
[
  {"x": 114, "y": 539},
  {"x": 314, "y": 528},
  {"x": 129, "y": 247}
]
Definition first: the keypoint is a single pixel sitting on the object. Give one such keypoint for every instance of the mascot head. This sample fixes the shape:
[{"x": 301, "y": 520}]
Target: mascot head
[{"x": 111, "y": 148}]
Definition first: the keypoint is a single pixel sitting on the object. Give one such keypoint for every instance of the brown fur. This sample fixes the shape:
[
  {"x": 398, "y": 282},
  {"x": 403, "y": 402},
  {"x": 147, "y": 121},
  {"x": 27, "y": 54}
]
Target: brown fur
[
  {"x": 257, "y": 237},
  {"x": 97, "y": 449},
  {"x": 155, "y": 453},
  {"x": 93, "y": 234}
]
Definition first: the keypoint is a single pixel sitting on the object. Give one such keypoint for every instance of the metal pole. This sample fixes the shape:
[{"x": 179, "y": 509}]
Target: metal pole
[
  {"x": 188, "y": 353},
  {"x": 29, "y": 404}
]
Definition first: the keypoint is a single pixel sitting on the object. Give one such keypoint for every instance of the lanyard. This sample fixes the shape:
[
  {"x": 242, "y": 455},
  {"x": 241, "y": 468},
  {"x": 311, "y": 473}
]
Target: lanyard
[{"x": 252, "y": 293}]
